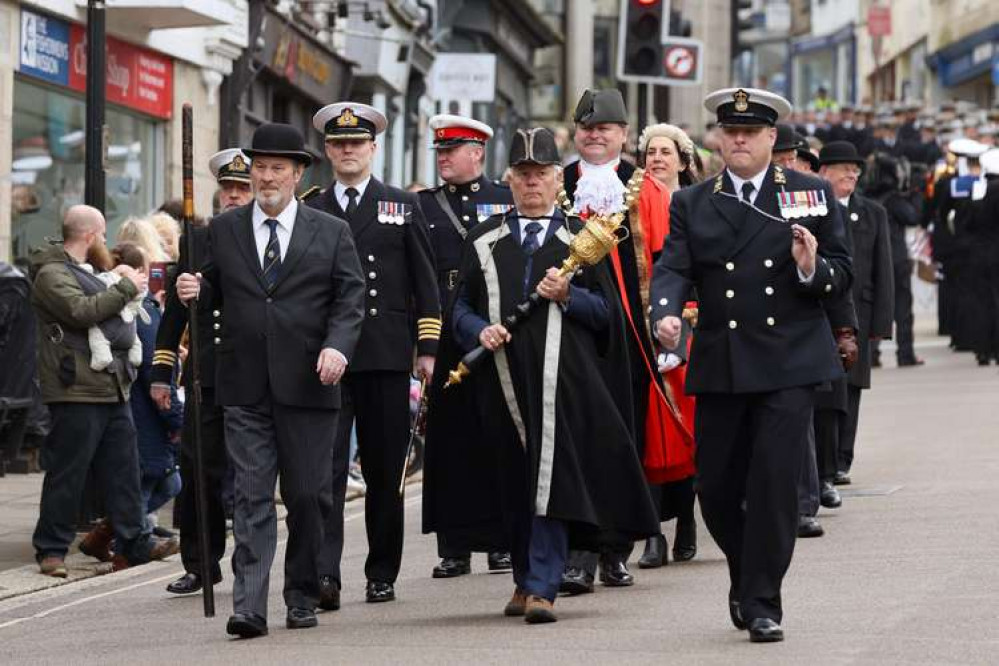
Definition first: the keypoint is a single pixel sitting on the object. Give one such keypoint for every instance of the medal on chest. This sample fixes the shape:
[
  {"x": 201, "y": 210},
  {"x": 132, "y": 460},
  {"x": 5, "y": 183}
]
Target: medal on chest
[
  {"x": 802, "y": 203},
  {"x": 485, "y": 211},
  {"x": 393, "y": 212}
]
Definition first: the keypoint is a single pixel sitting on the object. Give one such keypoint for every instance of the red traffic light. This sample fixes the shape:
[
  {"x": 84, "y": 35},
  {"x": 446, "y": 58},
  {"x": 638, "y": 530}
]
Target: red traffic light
[{"x": 646, "y": 3}]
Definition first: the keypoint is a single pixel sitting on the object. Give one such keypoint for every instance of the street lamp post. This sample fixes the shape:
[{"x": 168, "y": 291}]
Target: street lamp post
[{"x": 96, "y": 146}]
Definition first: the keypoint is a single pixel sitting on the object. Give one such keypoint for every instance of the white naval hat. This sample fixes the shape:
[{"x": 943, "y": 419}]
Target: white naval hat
[
  {"x": 966, "y": 147},
  {"x": 747, "y": 106},
  {"x": 451, "y": 130},
  {"x": 230, "y": 164},
  {"x": 990, "y": 162},
  {"x": 349, "y": 120}
]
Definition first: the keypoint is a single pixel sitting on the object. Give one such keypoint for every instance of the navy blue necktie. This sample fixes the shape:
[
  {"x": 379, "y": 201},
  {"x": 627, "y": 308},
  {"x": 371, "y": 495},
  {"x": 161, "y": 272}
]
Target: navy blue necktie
[
  {"x": 272, "y": 256},
  {"x": 530, "y": 245},
  {"x": 747, "y": 191},
  {"x": 351, "y": 203}
]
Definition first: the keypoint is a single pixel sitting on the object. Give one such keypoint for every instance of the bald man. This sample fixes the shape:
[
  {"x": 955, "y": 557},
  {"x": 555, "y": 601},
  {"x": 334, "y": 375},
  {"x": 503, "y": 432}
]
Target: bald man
[{"x": 91, "y": 421}]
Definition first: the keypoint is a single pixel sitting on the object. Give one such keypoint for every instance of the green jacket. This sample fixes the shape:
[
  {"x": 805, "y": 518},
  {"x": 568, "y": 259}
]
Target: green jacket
[{"x": 61, "y": 305}]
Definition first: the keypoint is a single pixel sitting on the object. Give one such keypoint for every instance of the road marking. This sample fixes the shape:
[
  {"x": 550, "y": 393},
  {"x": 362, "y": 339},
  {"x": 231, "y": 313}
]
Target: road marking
[{"x": 94, "y": 597}]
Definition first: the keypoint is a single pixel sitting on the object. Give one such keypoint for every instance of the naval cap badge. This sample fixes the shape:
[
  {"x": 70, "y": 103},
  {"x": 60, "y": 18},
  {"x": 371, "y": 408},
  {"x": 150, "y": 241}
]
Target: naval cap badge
[{"x": 741, "y": 98}]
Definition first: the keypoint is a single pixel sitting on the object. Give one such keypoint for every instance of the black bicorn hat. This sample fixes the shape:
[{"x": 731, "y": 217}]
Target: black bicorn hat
[
  {"x": 786, "y": 138},
  {"x": 278, "y": 140},
  {"x": 840, "y": 152},
  {"x": 535, "y": 145},
  {"x": 601, "y": 106}
]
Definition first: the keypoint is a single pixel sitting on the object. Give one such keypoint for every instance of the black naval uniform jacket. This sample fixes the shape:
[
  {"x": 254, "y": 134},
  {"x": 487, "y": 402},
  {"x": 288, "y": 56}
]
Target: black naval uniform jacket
[
  {"x": 873, "y": 280},
  {"x": 174, "y": 323},
  {"x": 272, "y": 337},
  {"x": 760, "y": 328},
  {"x": 470, "y": 203},
  {"x": 401, "y": 290}
]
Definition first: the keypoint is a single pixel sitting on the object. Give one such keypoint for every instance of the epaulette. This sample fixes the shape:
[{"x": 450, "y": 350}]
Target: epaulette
[{"x": 309, "y": 193}]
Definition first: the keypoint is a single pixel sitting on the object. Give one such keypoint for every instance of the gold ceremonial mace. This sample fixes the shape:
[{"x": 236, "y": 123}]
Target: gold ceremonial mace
[{"x": 594, "y": 242}]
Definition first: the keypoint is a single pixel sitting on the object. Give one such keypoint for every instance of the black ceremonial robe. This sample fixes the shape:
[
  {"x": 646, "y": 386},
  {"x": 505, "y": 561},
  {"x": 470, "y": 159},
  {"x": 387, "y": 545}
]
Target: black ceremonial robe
[{"x": 545, "y": 424}]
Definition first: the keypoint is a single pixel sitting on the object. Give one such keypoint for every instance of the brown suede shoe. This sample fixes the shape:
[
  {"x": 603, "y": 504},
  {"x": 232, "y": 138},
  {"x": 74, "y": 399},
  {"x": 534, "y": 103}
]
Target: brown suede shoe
[
  {"x": 163, "y": 548},
  {"x": 97, "y": 542},
  {"x": 53, "y": 566},
  {"x": 158, "y": 550},
  {"x": 539, "y": 611},
  {"x": 517, "y": 605}
]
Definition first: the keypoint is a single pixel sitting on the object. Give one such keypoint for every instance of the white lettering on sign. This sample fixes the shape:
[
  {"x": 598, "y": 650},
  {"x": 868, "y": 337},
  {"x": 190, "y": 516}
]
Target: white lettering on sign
[{"x": 464, "y": 76}]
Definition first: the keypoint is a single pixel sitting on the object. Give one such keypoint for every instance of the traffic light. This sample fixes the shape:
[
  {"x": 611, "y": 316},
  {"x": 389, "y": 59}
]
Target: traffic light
[
  {"x": 640, "y": 36},
  {"x": 741, "y": 23}
]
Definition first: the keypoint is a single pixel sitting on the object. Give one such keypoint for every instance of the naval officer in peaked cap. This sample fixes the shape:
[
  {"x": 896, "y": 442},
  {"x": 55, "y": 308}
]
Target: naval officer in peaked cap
[
  {"x": 391, "y": 237},
  {"x": 763, "y": 247}
]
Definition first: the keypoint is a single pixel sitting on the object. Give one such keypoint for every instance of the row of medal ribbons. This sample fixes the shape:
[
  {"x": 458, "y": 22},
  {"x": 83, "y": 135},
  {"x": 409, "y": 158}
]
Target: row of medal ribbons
[
  {"x": 806, "y": 203},
  {"x": 393, "y": 212}
]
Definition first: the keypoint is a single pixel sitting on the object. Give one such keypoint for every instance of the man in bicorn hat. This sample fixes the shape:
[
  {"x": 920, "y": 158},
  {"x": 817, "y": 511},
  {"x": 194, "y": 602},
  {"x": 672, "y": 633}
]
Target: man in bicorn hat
[
  {"x": 763, "y": 247},
  {"x": 401, "y": 288},
  {"x": 601, "y": 133},
  {"x": 231, "y": 169},
  {"x": 293, "y": 294},
  {"x": 516, "y": 471},
  {"x": 452, "y": 209}
]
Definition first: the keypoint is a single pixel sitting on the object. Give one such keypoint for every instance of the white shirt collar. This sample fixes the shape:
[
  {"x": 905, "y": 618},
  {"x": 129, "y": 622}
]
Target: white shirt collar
[
  {"x": 543, "y": 221},
  {"x": 340, "y": 190},
  {"x": 845, "y": 201},
  {"x": 756, "y": 180},
  {"x": 608, "y": 166},
  {"x": 285, "y": 218}
]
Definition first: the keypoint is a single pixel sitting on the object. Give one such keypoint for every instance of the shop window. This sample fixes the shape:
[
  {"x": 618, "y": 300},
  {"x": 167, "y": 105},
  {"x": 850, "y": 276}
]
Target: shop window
[{"x": 48, "y": 164}]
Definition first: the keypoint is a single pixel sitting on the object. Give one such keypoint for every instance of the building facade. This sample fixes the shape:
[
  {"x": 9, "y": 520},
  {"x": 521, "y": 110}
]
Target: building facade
[{"x": 156, "y": 61}]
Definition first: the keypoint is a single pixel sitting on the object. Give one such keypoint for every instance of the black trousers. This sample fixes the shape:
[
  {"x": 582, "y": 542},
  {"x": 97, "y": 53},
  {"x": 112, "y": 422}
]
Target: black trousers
[
  {"x": 808, "y": 481},
  {"x": 827, "y": 435},
  {"x": 985, "y": 312},
  {"x": 903, "y": 311},
  {"x": 847, "y": 427},
  {"x": 379, "y": 403},
  {"x": 216, "y": 464},
  {"x": 265, "y": 441},
  {"x": 101, "y": 437},
  {"x": 749, "y": 456}
]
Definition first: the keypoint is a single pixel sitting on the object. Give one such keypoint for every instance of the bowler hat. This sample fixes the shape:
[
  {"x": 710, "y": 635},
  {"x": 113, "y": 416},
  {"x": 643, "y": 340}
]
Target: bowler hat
[
  {"x": 805, "y": 152},
  {"x": 535, "y": 145},
  {"x": 840, "y": 152},
  {"x": 785, "y": 138},
  {"x": 278, "y": 140}
]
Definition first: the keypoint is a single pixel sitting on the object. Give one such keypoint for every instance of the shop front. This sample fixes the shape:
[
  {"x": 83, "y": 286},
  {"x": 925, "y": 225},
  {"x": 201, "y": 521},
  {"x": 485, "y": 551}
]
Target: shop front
[
  {"x": 968, "y": 69},
  {"x": 47, "y": 167},
  {"x": 828, "y": 61}
]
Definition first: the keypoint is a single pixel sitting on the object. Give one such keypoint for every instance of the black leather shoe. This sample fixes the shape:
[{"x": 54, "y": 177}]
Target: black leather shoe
[
  {"x": 809, "y": 527},
  {"x": 842, "y": 479},
  {"x": 735, "y": 614},
  {"x": 190, "y": 583},
  {"x": 655, "y": 553},
  {"x": 246, "y": 626},
  {"x": 910, "y": 362},
  {"x": 829, "y": 496},
  {"x": 329, "y": 593},
  {"x": 685, "y": 541},
  {"x": 615, "y": 574},
  {"x": 378, "y": 591},
  {"x": 765, "y": 630},
  {"x": 500, "y": 562},
  {"x": 452, "y": 567},
  {"x": 301, "y": 618},
  {"x": 576, "y": 581}
]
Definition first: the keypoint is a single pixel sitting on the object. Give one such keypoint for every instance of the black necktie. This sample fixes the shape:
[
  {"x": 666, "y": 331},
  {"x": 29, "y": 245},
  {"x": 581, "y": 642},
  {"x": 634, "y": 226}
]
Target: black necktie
[
  {"x": 272, "y": 256},
  {"x": 351, "y": 202},
  {"x": 747, "y": 191}
]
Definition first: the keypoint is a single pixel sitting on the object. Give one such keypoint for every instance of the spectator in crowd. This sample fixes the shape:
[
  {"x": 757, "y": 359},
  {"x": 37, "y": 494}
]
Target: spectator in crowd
[
  {"x": 169, "y": 230},
  {"x": 17, "y": 358},
  {"x": 158, "y": 430},
  {"x": 143, "y": 233},
  {"x": 92, "y": 426}
]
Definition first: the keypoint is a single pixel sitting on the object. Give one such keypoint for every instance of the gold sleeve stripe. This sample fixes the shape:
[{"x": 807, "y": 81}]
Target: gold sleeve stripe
[
  {"x": 427, "y": 330},
  {"x": 164, "y": 356},
  {"x": 430, "y": 336},
  {"x": 429, "y": 320}
]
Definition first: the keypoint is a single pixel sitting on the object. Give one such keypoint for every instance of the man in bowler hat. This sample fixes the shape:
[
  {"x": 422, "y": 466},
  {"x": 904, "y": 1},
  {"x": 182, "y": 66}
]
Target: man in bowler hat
[{"x": 291, "y": 284}]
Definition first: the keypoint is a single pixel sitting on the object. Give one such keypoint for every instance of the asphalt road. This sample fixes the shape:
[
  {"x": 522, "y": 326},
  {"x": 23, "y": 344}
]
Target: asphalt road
[{"x": 906, "y": 574}]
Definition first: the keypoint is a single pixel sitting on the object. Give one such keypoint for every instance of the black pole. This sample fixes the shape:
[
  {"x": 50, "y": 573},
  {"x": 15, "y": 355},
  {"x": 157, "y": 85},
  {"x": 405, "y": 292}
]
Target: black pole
[
  {"x": 643, "y": 108},
  {"x": 94, "y": 190},
  {"x": 194, "y": 354}
]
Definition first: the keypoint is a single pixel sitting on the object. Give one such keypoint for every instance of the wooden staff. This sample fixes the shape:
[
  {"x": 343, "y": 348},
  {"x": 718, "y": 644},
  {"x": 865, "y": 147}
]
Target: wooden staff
[{"x": 187, "y": 150}]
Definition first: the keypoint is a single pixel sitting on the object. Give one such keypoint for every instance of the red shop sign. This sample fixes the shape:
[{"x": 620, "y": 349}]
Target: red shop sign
[{"x": 136, "y": 77}]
